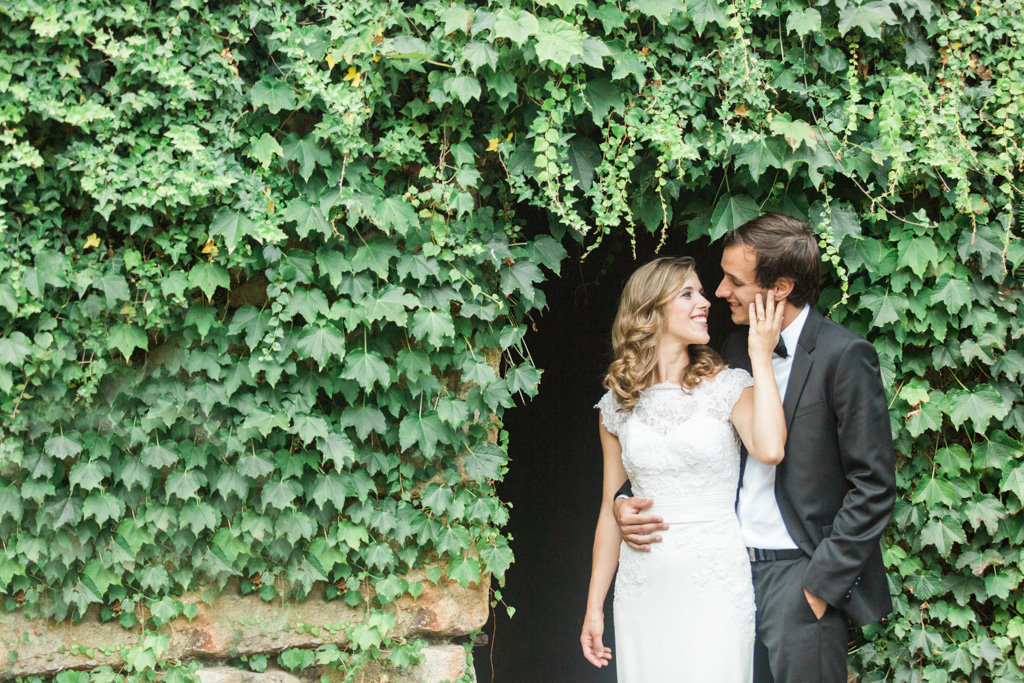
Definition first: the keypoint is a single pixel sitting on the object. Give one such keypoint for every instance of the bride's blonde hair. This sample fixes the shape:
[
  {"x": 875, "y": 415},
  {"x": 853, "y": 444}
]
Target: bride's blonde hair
[{"x": 638, "y": 327}]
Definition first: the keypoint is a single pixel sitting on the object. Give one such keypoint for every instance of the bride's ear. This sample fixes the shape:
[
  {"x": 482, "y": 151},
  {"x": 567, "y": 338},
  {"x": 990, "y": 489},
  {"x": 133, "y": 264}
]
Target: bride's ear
[{"x": 783, "y": 287}]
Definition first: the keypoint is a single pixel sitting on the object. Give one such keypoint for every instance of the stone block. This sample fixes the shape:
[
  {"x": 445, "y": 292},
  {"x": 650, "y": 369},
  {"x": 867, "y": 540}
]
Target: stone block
[
  {"x": 442, "y": 664},
  {"x": 228, "y": 674},
  {"x": 236, "y": 625}
]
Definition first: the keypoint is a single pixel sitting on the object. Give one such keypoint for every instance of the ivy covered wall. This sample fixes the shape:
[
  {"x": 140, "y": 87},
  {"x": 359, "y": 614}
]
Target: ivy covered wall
[{"x": 258, "y": 257}]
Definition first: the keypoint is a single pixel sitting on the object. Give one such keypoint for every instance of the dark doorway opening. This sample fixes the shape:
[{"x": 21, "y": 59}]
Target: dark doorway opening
[{"x": 554, "y": 480}]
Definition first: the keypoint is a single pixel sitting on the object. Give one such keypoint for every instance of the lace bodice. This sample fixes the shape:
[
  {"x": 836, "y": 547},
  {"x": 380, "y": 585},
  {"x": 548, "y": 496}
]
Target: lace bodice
[{"x": 702, "y": 455}]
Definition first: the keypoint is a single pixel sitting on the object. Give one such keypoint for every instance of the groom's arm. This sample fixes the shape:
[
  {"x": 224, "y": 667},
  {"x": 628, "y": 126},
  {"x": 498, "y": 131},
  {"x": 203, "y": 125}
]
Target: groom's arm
[{"x": 866, "y": 451}]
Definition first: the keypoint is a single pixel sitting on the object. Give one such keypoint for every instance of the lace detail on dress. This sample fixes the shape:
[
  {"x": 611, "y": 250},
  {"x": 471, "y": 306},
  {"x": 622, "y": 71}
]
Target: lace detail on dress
[
  {"x": 721, "y": 563},
  {"x": 611, "y": 416},
  {"x": 630, "y": 579},
  {"x": 664, "y": 406}
]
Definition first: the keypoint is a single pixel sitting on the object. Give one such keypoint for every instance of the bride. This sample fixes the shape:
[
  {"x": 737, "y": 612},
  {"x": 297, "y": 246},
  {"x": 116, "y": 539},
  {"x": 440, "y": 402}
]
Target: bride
[{"x": 685, "y": 610}]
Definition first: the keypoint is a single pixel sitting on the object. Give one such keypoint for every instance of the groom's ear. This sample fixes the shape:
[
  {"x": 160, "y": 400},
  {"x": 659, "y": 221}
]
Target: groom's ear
[{"x": 783, "y": 287}]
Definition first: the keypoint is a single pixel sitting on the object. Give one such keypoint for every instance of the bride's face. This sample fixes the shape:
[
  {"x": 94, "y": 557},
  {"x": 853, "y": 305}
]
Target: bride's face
[{"x": 686, "y": 316}]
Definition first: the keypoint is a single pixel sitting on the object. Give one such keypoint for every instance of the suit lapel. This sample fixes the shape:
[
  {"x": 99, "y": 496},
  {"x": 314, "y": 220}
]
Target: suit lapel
[{"x": 802, "y": 362}]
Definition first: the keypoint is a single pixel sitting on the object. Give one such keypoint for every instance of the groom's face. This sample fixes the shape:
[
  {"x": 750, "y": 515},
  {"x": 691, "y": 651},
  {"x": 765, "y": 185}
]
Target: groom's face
[{"x": 739, "y": 285}]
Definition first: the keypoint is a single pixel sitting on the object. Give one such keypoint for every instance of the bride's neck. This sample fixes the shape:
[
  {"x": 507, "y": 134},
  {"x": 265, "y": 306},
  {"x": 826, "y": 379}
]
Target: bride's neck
[{"x": 672, "y": 361}]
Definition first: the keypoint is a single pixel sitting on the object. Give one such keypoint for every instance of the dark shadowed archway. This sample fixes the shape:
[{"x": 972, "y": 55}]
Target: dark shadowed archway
[{"x": 554, "y": 479}]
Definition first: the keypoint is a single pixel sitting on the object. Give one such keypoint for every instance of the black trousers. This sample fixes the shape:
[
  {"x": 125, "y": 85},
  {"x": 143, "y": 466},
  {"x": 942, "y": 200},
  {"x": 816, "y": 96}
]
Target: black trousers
[{"x": 792, "y": 645}]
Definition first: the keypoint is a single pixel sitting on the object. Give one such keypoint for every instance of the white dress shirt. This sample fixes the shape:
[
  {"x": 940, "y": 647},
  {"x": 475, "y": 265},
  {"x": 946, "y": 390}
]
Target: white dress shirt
[{"x": 760, "y": 519}]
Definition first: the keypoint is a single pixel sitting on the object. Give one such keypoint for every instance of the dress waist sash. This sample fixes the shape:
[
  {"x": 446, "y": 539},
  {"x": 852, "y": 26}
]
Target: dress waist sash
[{"x": 704, "y": 507}]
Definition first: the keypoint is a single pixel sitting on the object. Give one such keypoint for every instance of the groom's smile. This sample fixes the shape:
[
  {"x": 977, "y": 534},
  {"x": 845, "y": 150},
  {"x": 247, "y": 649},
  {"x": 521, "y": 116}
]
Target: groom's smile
[{"x": 739, "y": 284}]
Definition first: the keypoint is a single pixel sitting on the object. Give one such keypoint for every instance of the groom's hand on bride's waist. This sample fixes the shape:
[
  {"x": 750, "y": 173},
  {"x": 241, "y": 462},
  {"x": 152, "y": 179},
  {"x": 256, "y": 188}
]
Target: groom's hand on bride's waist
[{"x": 639, "y": 529}]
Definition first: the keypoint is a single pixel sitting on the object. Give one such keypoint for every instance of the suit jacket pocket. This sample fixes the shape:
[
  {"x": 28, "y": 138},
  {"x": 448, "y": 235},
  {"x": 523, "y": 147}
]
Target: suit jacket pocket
[{"x": 816, "y": 407}]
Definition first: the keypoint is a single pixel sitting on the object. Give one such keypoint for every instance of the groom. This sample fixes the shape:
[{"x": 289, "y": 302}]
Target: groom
[{"x": 811, "y": 524}]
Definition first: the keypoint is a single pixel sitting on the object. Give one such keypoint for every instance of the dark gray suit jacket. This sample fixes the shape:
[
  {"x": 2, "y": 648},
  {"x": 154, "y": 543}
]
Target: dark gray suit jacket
[{"x": 837, "y": 484}]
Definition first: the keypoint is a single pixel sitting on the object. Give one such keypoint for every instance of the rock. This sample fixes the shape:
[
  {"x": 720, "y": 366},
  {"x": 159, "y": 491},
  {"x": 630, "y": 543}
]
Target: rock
[
  {"x": 443, "y": 663},
  {"x": 236, "y": 625},
  {"x": 227, "y": 674}
]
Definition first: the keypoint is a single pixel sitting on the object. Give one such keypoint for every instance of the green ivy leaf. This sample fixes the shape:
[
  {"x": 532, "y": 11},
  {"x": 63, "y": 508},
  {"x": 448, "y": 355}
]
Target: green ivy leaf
[
  {"x": 498, "y": 556},
  {"x": 394, "y": 213},
  {"x": 804, "y": 21},
  {"x": 703, "y": 12},
  {"x": 485, "y": 461},
  {"x": 796, "y": 133},
  {"x": 14, "y": 349},
  {"x": 88, "y": 474},
  {"x": 184, "y": 485},
  {"x": 366, "y": 419},
  {"x": 659, "y": 9},
  {"x": 233, "y": 225},
  {"x": 280, "y": 494},
  {"x": 62, "y": 447},
  {"x": 433, "y": 327},
  {"x": 321, "y": 343},
  {"x": 478, "y": 54},
  {"x": 375, "y": 256},
  {"x": 274, "y": 93},
  {"x": 916, "y": 253},
  {"x": 558, "y": 41},
  {"x": 306, "y": 153},
  {"x": 515, "y": 24},
  {"x": 367, "y": 368},
  {"x": 127, "y": 338},
  {"x": 731, "y": 212},
  {"x": 869, "y": 16},
  {"x": 1014, "y": 481},
  {"x": 979, "y": 406},
  {"x": 389, "y": 303},
  {"x": 935, "y": 492},
  {"x": 329, "y": 488},
  {"x": 338, "y": 449},
  {"x": 758, "y": 156},
  {"x": 943, "y": 533},
  {"x": 464, "y": 570},
  {"x": 307, "y": 218},
  {"x": 114, "y": 288},
  {"x": 423, "y": 430},
  {"x": 887, "y": 307},
  {"x": 953, "y": 292},
  {"x": 466, "y": 88},
  {"x": 208, "y": 277},
  {"x": 265, "y": 149}
]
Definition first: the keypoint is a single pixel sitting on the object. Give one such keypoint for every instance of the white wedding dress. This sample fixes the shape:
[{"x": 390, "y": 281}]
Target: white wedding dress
[{"x": 684, "y": 612}]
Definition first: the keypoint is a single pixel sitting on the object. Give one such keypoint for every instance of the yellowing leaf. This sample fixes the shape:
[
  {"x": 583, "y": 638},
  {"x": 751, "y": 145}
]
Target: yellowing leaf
[
  {"x": 509, "y": 138},
  {"x": 492, "y": 145},
  {"x": 210, "y": 248},
  {"x": 330, "y": 61},
  {"x": 353, "y": 76},
  {"x": 92, "y": 241},
  {"x": 376, "y": 58}
]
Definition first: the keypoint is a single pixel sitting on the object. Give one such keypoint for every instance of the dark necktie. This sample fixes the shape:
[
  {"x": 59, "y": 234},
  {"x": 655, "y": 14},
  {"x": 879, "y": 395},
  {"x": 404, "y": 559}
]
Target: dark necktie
[{"x": 780, "y": 349}]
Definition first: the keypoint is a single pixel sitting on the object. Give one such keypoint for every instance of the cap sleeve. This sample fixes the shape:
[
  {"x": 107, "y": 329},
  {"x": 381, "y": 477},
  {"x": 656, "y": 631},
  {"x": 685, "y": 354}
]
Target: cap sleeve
[
  {"x": 611, "y": 417},
  {"x": 730, "y": 383}
]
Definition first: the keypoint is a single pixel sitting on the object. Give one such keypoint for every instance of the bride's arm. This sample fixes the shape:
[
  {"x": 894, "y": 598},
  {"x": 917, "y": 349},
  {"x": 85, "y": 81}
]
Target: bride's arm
[
  {"x": 606, "y": 553},
  {"x": 758, "y": 414}
]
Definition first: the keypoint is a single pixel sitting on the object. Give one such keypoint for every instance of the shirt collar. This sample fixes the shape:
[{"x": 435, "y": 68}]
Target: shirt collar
[{"x": 791, "y": 335}]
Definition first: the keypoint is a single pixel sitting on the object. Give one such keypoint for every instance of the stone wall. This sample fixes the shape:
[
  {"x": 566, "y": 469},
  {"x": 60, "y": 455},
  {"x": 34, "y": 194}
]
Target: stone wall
[{"x": 241, "y": 625}]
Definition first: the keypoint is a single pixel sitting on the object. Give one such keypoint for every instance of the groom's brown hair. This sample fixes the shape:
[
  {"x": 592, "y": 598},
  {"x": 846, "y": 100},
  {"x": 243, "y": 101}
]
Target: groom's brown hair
[{"x": 785, "y": 248}]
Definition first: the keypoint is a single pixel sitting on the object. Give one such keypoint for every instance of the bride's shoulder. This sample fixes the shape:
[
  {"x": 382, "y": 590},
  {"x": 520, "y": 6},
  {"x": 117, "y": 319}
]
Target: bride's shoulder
[
  {"x": 730, "y": 382},
  {"x": 612, "y": 414}
]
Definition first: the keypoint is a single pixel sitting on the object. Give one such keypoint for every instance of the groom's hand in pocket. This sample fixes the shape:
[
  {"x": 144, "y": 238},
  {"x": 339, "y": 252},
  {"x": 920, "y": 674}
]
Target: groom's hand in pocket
[
  {"x": 638, "y": 528},
  {"x": 818, "y": 606}
]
